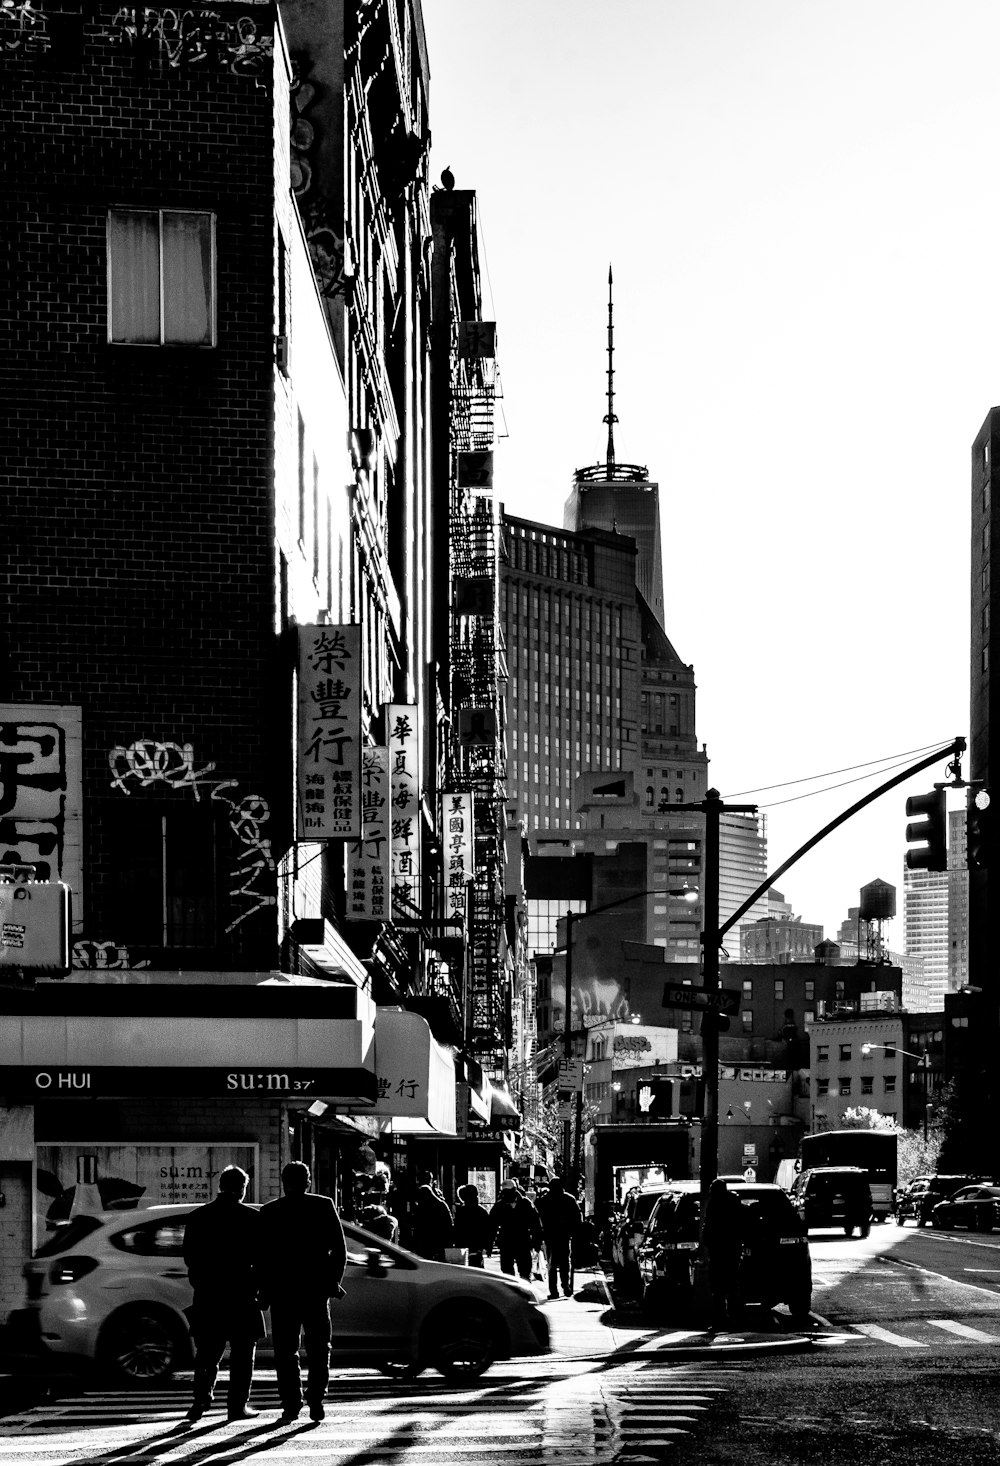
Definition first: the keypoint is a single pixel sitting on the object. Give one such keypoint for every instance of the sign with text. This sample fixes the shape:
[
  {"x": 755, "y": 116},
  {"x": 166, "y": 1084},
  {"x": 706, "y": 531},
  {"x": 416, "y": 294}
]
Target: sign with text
[
  {"x": 328, "y": 792},
  {"x": 722, "y": 1000},
  {"x": 26, "y": 1081},
  {"x": 369, "y": 859},
  {"x": 459, "y": 846},
  {"x": 34, "y": 927},
  {"x": 41, "y": 794},
  {"x": 403, "y": 734},
  {"x": 570, "y": 1074}
]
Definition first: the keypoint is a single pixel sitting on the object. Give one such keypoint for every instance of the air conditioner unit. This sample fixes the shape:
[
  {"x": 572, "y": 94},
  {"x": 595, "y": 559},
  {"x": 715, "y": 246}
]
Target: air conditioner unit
[{"x": 283, "y": 354}]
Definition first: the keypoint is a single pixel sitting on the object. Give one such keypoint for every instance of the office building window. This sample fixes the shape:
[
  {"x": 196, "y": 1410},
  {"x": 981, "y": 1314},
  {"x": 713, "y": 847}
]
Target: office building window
[
  {"x": 161, "y": 277},
  {"x": 845, "y": 1051}
]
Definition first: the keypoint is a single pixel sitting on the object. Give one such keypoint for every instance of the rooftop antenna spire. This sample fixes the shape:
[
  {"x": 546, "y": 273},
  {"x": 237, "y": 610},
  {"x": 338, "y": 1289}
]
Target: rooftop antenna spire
[{"x": 610, "y": 418}]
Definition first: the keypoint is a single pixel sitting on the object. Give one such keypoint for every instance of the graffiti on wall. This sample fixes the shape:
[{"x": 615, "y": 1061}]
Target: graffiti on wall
[
  {"x": 323, "y": 230},
  {"x": 41, "y": 796},
  {"x": 252, "y": 871},
  {"x": 24, "y": 28},
  {"x": 92, "y": 956},
  {"x": 217, "y": 38}
]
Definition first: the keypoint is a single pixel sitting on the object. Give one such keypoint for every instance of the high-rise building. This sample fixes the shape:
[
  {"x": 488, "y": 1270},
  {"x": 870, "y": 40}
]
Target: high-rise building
[
  {"x": 984, "y": 704},
  {"x": 742, "y": 868},
  {"x": 925, "y": 904},
  {"x": 780, "y": 936},
  {"x": 958, "y": 902}
]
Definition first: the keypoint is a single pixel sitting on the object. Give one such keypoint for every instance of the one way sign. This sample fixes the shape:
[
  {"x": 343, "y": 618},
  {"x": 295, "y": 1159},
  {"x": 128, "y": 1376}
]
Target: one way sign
[{"x": 723, "y": 1000}]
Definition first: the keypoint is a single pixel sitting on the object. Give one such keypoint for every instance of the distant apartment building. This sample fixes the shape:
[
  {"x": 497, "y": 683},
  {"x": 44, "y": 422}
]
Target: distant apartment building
[{"x": 780, "y": 936}]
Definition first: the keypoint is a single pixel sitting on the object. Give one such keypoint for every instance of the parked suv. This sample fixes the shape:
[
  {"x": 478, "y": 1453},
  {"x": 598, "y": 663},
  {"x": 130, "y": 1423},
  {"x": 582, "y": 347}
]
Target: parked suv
[
  {"x": 834, "y": 1196},
  {"x": 113, "y": 1289},
  {"x": 918, "y": 1199},
  {"x": 627, "y": 1233},
  {"x": 776, "y": 1266}
]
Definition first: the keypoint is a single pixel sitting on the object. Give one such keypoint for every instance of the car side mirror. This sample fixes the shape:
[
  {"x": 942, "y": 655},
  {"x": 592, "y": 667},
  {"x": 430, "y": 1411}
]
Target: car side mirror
[{"x": 376, "y": 1267}]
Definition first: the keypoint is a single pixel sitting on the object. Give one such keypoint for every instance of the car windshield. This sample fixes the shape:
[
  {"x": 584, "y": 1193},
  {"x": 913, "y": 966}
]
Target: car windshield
[
  {"x": 644, "y": 1204},
  {"x": 67, "y": 1235},
  {"x": 773, "y": 1208}
]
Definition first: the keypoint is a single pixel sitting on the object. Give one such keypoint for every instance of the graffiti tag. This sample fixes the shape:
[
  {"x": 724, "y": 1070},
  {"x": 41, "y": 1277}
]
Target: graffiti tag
[
  {"x": 194, "y": 37},
  {"x": 23, "y": 28},
  {"x": 150, "y": 762}
]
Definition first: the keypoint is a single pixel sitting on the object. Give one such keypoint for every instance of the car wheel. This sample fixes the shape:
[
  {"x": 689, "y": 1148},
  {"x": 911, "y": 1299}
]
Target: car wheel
[
  {"x": 922, "y": 1221},
  {"x": 141, "y": 1344},
  {"x": 401, "y": 1369},
  {"x": 462, "y": 1345},
  {"x": 848, "y": 1230}
]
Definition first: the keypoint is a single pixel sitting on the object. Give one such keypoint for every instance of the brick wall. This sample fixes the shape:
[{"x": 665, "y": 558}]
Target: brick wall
[{"x": 138, "y": 548}]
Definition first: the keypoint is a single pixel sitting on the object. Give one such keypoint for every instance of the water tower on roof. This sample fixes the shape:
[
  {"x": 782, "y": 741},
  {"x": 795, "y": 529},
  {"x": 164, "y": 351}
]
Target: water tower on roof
[{"x": 878, "y": 905}]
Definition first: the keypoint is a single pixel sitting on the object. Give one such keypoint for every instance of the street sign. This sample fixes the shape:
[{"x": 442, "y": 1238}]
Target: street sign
[
  {"x": 570, "y": 1074},
  {"x": 722, "y": 1000},
  {"x": 749, "y": 1174}
]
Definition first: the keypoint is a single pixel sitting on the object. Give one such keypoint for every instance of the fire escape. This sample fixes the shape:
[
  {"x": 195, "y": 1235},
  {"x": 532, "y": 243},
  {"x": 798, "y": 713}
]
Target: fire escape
[{"x": 478, "y": 675}]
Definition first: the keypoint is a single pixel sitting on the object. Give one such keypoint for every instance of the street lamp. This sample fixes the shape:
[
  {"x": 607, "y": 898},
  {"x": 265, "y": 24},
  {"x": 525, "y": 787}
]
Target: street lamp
[{"x": 923, "y": 1061}]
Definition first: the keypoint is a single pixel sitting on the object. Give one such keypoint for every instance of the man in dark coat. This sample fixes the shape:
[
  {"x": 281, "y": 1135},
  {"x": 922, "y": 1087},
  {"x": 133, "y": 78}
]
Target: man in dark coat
[
  {"x": 303, "y": 1261},
  {"x": 433, "y": 1223},
  {"x": 560, "y": 1215},
  {"x": 516, "y": 1230},
  {"x": 221, "y": 1248},
  {"x": 472, "y": 1226},
  {"x": 723, "y": 1231}
]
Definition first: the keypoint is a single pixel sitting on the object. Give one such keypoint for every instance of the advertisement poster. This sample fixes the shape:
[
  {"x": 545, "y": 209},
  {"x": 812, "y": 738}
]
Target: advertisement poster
[
  {"x": 328, "y": 793},
  {"x": 85, "y": 1177},
  {"x": 41, "y": 796}
]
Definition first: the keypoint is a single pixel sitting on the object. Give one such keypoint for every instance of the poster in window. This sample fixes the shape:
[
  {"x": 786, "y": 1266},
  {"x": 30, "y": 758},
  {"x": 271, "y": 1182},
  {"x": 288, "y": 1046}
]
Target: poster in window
[{"x": 328, "y": 793}]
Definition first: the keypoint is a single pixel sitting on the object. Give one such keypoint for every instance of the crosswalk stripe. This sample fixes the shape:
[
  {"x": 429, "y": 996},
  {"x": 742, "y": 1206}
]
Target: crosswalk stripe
[
  {"x": 964, "y": 1331},
  {"x": 873, "y": 1331}
]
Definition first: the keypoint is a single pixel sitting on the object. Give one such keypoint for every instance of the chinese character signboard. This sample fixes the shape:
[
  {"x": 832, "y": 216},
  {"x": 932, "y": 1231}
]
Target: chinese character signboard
[
  {"x": 477, "y": 339},
  {"x": 404, "y": 782},
  {"x": 41, "y": 795},
  {"x": 329, "y": 733},
  {"x": 457, "y": 833},
  {"x": 368, "y": 859}
]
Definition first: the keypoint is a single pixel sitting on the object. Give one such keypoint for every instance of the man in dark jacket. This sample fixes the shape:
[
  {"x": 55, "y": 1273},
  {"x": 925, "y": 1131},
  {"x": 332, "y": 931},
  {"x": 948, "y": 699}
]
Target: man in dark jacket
[
  {"x": 560, "y": 1215},
  {"x": 472, "y": 1226},
  {"x": 303, "y": 1262},
  {"x": 433, "y": 1223},
  {"x": 723, "y": 1232},
  {"x": 221, "y": 1247},
  {"x": 516, "y": 1230}
]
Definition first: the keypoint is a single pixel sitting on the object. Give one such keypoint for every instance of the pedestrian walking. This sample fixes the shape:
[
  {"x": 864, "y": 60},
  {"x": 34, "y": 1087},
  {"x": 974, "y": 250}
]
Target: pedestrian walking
[
  {"x": 723, "y": 1230},
  {"x": 433, "y": 1224},
  {"x": 515, "y": 1230},
  {"x": 221, "y": 1250},
  {"x": 375, "y": 1218},
  {"x": 560, "y": 1218},
  {"x": 472, "y": 1226},
  {"x": 304, "y": 1258}
]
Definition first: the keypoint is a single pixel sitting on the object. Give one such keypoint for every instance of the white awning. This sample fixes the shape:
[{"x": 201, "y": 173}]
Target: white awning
[{"x": 415, "y": 1075}]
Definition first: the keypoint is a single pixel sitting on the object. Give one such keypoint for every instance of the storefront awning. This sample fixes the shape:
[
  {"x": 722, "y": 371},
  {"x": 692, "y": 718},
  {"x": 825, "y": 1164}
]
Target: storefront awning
[
  {"x": 504, "y": 1114},
  {"x": 415, "y": 1075},
  {"x": 265, "y": 1040}
]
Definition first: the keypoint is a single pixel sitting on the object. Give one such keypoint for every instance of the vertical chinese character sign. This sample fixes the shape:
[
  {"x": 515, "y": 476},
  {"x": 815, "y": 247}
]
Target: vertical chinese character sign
[
  {"x": 368, "y": 859},
  {"x": 329, "y": 733},
  {"x": 456, "y": 828},
  {"x": 404, "y": 779}
]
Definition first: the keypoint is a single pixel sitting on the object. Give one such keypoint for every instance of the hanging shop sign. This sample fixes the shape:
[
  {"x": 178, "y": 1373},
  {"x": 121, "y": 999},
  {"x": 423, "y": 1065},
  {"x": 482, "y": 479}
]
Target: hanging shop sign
[
  {"x": 475, "y": 470},
  {"x": 329, "y": 790},
  {"x": 477, "y": 339},
  {"x": 459, "y": 847},
  {"x": 369, "y": 860},
  {"x": 403, "y": 733}
]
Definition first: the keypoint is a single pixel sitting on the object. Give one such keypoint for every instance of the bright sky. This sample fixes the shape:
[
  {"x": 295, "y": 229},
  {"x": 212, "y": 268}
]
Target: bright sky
[{"x": 799, "y": 202}]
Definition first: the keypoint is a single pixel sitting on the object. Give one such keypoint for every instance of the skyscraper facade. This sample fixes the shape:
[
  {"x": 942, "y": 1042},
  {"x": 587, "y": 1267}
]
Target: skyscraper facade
[{"x": 925, "y": 904}]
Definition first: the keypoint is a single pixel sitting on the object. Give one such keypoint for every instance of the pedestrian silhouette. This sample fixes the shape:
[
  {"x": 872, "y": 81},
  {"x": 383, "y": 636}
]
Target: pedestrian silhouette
[
  {"x": 516, "y": 1230},
  {"x": 221, "y": 1250},
  {"x": 433, "y": 1224},
  {"x": 723, "y": 1231},
  {"x": 472, "y": 1226},
  {"x": 303, "y": 1260},
  {"x": 561, "y": 1219}
]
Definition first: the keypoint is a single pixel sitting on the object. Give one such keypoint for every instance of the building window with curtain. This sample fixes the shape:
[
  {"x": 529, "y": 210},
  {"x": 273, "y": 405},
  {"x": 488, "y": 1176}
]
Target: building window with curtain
[{"x": 161, "y": 277}]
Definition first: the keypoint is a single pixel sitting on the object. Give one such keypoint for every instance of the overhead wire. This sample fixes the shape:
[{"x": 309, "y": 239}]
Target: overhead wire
[{"x": 831, "y": 773}]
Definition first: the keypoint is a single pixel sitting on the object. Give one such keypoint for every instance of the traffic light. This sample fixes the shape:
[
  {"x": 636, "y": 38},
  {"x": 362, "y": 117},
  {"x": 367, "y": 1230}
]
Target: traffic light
[
  {"x": 712, "y": 1019},
  {"x": 932, "y": 828},
  {"x": 979, "y": 830}
]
